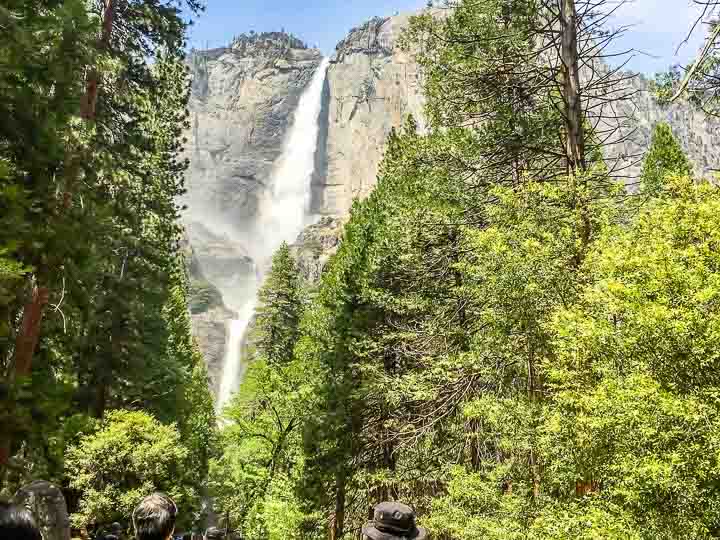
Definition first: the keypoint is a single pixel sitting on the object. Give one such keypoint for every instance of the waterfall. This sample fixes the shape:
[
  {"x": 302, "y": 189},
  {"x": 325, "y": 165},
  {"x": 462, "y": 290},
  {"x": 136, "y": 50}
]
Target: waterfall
[{"x": 283, "y": 214}]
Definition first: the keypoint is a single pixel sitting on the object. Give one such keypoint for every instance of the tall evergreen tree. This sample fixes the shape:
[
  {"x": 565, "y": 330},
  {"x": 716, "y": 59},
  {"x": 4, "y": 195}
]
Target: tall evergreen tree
[
  {"x": 261, "y": 459},
  {"x": 279, "y": 310},
  {"x": 664, "y": 157},
  {"x": 93, "y": 110}
]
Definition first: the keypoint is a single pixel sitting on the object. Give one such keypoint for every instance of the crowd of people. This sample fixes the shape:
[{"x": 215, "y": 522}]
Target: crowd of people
[{"x": 155, "y": 516}]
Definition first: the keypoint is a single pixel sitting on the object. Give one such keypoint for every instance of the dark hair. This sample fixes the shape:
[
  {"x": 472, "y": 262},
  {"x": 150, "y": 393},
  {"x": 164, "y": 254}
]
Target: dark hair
[
  {"x": 17, "y": 523},
  {"x": 154, "y": 517}
]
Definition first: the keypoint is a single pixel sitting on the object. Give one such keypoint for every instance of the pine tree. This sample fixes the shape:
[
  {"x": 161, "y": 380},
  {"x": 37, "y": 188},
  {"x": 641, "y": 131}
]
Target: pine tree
[
  {"x": 279, "y": 310},
  {"x": 665, "y": 157},
  {"x": 261, "y": 451},
  {"x": 90, "y": 141}
]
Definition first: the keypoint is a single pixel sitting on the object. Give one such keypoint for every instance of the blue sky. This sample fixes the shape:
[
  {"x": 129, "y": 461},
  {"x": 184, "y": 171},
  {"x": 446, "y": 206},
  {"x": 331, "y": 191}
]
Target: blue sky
[
  {"x": 658, "y": 25},
  {"x": 317, "y": 22}
]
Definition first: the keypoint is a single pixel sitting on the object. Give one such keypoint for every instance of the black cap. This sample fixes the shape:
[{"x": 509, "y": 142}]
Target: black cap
[{"x": 393, "y": 520}]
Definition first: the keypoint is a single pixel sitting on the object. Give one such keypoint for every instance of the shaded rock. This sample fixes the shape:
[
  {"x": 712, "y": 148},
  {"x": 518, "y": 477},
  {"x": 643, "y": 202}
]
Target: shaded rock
[
  {"x": 222, "y": 261},
  {"x": 208, "y": 316},
  {"x": 47, "y": 504},
  {"x": 315, "y": 245},
  {"x": 211, "y": 333}
]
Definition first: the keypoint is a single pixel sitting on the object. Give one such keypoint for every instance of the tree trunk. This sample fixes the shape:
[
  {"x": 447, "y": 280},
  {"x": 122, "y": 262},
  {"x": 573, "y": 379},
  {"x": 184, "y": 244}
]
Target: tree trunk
[
  {"x": 533, "y": 398},
  {"x": 575, "y": 142},
  {"x": 585, "y": 487},
  {"x": 574, "y": 120},
  {"x": 29, "y": 333},
  {"x": 88, "y": 104},
  {"x": 25, "y": 343},
  {"x": 100, "y": 399},
  {"x": 338, "y": 521},
  {"x": 4, "y": 457}
]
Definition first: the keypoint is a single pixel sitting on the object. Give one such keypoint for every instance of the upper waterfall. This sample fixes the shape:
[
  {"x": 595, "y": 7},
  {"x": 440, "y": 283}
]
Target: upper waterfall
[
  {"x": 282, "y": 215},
  {"x": 284, "y": 210}
]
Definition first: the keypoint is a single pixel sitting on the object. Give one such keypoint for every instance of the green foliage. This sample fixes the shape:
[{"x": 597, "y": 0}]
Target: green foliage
[
  {"x": 193, "y": 407},
  {"x": 203, "y": 296},
  {"x": 131, "y": 455},
  {"x": 279, "y": 309},
  {"x": 636, "y": 373},
  {"x": 515, "y": 352},
  {"x": 88, "y": 212},
  {"x": 664, "y": 157},
  {"x": 255, "y": 476}
]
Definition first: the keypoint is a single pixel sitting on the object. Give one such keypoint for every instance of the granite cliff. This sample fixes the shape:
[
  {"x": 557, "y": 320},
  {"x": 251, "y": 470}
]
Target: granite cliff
[
  {"x": 242, "y": 103},
  {"x": 371, "y": 87},
  {"x": 242, "y": 100}
]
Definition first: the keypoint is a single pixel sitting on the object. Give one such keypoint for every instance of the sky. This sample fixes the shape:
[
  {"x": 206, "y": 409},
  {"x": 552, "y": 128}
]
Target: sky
[
  {"x": 317, "y": 22},
  {"x": 657, "y": 26}
]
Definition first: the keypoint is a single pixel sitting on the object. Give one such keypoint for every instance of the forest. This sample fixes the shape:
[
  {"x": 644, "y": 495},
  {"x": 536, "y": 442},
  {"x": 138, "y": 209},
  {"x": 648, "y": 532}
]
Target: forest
[{"x": 515, "y": 336}]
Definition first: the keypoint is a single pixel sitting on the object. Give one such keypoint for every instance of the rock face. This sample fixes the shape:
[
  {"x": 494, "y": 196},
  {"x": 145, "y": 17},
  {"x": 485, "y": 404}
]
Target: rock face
[
  {"x": 371, "y": 87},
  {"x": 698, "y": 133},
  {"x": 47, "y": 504},
  {"x": 315, "y": 245},
  {"x": 211, "y": 334},
  {"x": 241, "y": 105},
  {"x": 222, "y": 261},
  {"x": 208, "y": 315}
]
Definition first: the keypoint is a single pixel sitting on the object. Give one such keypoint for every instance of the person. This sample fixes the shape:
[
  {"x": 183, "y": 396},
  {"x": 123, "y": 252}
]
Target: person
[
  {"x": 393, "y": 521},
  {"x": 154, "y": 518},
  {"x": 17, "y": 523}
]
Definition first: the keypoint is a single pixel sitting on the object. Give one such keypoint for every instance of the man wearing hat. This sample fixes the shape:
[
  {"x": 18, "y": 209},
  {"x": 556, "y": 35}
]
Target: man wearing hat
[{"x": 393, "y": 521}]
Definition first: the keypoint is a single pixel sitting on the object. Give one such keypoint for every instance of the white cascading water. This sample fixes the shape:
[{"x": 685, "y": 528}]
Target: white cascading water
[{"x": 283, "y": 214}]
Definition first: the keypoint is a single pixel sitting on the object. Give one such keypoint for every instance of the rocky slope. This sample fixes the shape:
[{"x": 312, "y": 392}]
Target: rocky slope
[{"x": 315, "y": 245}]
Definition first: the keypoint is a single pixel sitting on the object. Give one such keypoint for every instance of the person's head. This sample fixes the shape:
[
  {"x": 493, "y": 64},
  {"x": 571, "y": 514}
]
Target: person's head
[
  {"x": 154, "y": 517},
  {"x": 213, "y": 533},
  {"x": 17, "y": 523},
  {"x": 393, "y": 521}
]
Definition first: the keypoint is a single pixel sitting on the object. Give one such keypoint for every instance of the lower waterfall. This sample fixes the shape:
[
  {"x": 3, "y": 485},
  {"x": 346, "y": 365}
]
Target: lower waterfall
[{"x": 283, "y": 214}]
